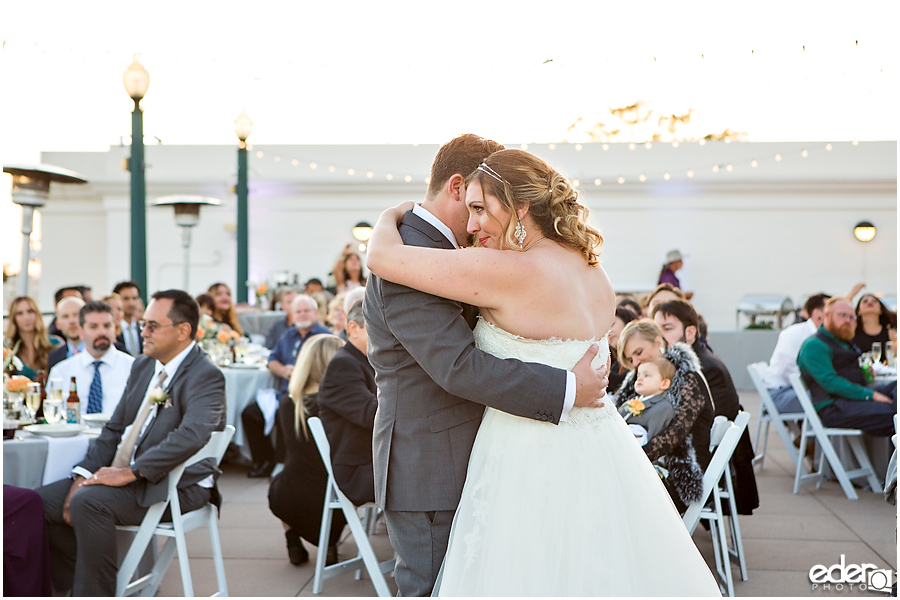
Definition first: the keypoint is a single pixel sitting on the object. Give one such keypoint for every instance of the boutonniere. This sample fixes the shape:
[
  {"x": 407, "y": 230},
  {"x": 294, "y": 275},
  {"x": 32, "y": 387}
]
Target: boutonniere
[
  {"x": 160, "y": 397},
  {"x": 632, "y": 408}
]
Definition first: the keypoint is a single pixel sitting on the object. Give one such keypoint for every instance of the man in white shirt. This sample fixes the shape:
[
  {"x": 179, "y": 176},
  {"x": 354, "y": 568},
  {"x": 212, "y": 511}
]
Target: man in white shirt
[
  {"x": 784, "y": 358},
  {"x": 131, "y": 302},
  {"x": 101, "y": 371},
  {"x": 67, "y": 311}
]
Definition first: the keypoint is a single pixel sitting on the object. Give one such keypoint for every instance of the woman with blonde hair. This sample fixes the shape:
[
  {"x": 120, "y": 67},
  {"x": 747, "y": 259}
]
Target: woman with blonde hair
[
  {"x": 297, "y": 494},
  {"x": 224, "y": 311},
  {"x": 582, "y": 488},
  {"x": 26, "y": 325}
]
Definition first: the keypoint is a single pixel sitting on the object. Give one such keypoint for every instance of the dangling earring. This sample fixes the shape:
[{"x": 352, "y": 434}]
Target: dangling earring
[{"x": 519, "y": 233}]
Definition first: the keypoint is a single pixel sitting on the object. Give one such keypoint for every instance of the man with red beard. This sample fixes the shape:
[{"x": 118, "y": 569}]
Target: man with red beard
[
  {"x": 101, "y": 371},
  {"x": 829, "y": 365}
]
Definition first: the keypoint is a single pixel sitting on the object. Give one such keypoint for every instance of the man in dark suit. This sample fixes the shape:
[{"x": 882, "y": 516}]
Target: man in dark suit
[
  {"x": 67, "y": 318},
  {"x": 125, "y": 471},
  {"x": 347, "y": 404},
  {"x": 433, "y": 384},
  {"x": 679, "y": 322},
  {"x": 131, "y": 302}
]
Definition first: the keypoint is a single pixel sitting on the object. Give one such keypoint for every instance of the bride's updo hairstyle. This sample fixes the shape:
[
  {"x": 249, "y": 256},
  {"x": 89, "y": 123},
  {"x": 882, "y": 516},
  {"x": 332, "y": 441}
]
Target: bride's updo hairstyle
[{"x": 551, "y": 200}]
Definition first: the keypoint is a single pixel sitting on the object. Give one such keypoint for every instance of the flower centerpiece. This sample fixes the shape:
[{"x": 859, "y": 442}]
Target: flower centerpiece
[
  {"x": 262, "y": 296},
  {"x": 216, "y": 339}
]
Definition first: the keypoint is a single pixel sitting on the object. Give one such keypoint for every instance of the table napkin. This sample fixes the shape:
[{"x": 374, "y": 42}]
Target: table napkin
[
  {"x": 268, "y": 404},
  {"x": 63, "y": 454}
]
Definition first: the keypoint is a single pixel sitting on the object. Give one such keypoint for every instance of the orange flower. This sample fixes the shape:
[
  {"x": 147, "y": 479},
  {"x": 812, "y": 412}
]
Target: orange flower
[
  {"x": 5, "y": 353},
  {"x": 235, "y": 335},
  {"x": 17, "y": 383},
  {"x": 262, "y": 289},
  {"x": 223, "y": 336},
  {"x": 201, "y": 333}
]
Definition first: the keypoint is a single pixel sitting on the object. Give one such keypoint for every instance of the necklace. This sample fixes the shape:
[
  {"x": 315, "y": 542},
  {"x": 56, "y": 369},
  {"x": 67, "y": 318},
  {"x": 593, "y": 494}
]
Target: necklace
[{"x": 533, "y": 244}]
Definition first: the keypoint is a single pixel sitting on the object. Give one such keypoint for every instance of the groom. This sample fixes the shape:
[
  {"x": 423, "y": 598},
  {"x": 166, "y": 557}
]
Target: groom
[{"x": 433, "y": 384}]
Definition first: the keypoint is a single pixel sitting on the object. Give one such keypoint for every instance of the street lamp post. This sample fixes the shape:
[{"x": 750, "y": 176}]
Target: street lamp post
[
  {"x": 137, "y": 80},
  {"x": 187, "y": 215},
  {"x": 30, "y": 188},
  {"x": 242, "y": 127}
]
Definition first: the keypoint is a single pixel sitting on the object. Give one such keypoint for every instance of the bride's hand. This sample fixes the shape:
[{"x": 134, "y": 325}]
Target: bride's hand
[
  {"x": 396, "y": 213},
  {"x": 590, "y": 383},
  {"x": 385, "y": 236}
]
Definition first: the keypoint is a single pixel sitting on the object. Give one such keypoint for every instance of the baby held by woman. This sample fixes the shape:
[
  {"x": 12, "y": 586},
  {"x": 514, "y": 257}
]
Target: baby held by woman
[{"x": 650, "y": 412}]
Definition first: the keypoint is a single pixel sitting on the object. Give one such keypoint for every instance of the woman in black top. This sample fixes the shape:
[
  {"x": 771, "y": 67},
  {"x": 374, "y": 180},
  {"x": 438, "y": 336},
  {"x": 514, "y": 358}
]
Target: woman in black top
[
  {"x": 624, "y": 316},
  {"x": 297, "y": 494},
  {"x": 875, "y": 323}
]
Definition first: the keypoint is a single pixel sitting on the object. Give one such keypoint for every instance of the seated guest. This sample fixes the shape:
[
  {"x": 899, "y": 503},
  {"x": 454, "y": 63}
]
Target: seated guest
[
  {"x": 663, "y": 293},
  {"x": 875, "y": 322},
  {"x": 67, "y": 318},
  {"x": 347, "y": 404},
  {"x": 348, "y": 271},
  {"x": 207, "y": 305},
  {"x": 650, "y": 412},
  {"x": 26, "y": 554},
  {"x": 684, "y": 443},
  {"x": 26, "y": 327},
  {"x": 297, "y": 493},
  {"x": 284, "y": 296},
  {"x": 784, "y": 358},
  {"x": 124, "y": 473},
  {"x": 130, "y": 294},
  {"x": 632, "y": 305},
  {"x": 337, "y": 317},
  {"x": 304, "y": 316},
  {"x": 115, "y": 301},
  {"x": 224, "y": 311},
  {"x": 101, "y": 371},
  {"x": 829, "y": 364},
  {"x": 679, "y": 322},
  {"x": 616, "y": 371},
  {"x": 61, "y": 293}
]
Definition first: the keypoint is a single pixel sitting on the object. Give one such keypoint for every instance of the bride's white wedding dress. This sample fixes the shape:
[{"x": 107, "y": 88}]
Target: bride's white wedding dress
[{"x": 568, "y": 510}]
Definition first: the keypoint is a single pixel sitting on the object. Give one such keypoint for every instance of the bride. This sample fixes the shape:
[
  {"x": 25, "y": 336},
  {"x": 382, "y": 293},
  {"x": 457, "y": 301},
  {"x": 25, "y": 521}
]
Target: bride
[{"x": 568, "y": 510}]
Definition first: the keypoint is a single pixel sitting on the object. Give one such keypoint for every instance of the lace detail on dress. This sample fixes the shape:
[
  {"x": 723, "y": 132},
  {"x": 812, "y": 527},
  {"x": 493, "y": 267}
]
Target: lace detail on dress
[{"x": 693, "y": 400}]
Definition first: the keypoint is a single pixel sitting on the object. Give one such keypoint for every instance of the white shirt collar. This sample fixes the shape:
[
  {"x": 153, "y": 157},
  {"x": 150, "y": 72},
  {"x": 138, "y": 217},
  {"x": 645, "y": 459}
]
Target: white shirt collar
[
  {"x": 87, "y": 360},
  {"x": 424, "y": 214},
  {"x": 171, "y": 367}
]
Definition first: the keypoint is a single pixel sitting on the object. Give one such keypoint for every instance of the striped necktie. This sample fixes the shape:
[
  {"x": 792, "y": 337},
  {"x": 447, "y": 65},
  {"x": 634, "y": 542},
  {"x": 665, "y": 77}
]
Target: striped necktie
[
  {"x": 95, "y": 397},
  {"x": 126, "y": 447}
]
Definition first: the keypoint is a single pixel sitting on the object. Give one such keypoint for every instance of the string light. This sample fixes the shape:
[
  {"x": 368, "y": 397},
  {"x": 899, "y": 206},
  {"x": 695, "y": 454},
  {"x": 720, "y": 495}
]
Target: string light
[
  {"x": 389, "y": 176},
  {"x": 370, "y": 174},
  {"x": 690, "y": 173},
  {"x": 666, "y": 176},
  {"x": 648, "y": 145},
  {"x": 675, "y": 144},
  {"x": 578, "y": 147},
  {"x": 408, "y": 178},
  {"x": 828, "y": 146},
  {"x": 313, "y": 165},
  {"x": 702, "y": 142},
  {"x": 331, "y": 168},
  {"x": 259, "y": 154},
  {"x": 606, "y": 146},
  {"x": 295, "y": 162},
  {"x": 524, "y": 146},
  {"x": 753, "y": 163},
  {"x": 597, "y": 182},
  {"x": 551, "y": 146},
  {"x": 855, "y": 143},
  {"x": 277, "y": 158},
  {"x": 576, "y": 182},
  {"x": 777, "y": 157},
  {"x": 642, "y": 178},
  {"x": 350, "y": 171},
  {"x": 804, "y": 153},
  {"x": 715, "y": 168},
  {"x": 631, "y": 146},
  {"x": 621, "y": 180}
]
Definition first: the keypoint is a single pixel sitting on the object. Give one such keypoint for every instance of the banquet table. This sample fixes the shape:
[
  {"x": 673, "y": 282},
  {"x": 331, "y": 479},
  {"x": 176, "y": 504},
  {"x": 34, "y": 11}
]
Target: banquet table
[
  {"x": 241, "y": 386},
  {"x": 259, "y": 322},
  {"x": 30, "y": 461}
]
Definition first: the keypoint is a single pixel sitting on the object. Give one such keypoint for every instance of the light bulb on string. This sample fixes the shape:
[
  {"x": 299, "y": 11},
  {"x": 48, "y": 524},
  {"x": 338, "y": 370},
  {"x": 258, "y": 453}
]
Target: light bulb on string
[
  {"x": 666, "y": 176},
  {"x": 828, "y": 146},
  {"x": 259, "y": 154},
  {"x": 642, "y": 178},
  {"x": 753, "y": 163},
  {"x": 331, "y": 168},
  {"x": 277, "y": 158},
  {"x": 350, "y": 171},
  {"x": 648, "y": 145},
  {"x": 389, "y": 176},
  {"x": 675, "y": 144},
  {"x": 578, "y": 147},
  {"x": 524, "y": 146},
  {"x": 551, "y": 146},
  {"x": 313, "y": 165},
  {"x": 295, "y": 162},
  {"x": 804, "y": 153},
  {"x": 702, "y": 142},
  {"x": 631, "y": 146},
  {"x": 690, "y": 173},
  {"x": 606, "y": 146},
  {"x": 855, "y": 143},
  {"x": 729, "y": 168},
  {"x": 778, "y": 157},
  {"x": 621, "y": 180},
  {"x": 715, "y": 168},
  {"x": 597, "y": 182},
  {"x": 370, "y": 174},
  {"x": 407, "y": 178}
]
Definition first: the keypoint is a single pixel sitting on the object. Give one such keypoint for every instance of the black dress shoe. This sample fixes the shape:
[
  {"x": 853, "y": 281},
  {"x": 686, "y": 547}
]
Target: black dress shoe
[
  {"x": 263, "y": 470},
  {"x": 331, "y": 558},
  {"x": 297, "y": 554}
]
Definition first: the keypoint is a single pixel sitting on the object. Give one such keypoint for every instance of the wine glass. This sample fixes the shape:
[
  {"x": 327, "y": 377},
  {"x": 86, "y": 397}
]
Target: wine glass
[
  {"x": 876, "y": 351},
  {"x": 53, "y": 405}
]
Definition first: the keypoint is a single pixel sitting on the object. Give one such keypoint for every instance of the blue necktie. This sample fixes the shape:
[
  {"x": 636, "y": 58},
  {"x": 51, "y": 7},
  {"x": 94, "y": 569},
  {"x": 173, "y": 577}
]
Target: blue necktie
[{"x": 95, "y": 396}]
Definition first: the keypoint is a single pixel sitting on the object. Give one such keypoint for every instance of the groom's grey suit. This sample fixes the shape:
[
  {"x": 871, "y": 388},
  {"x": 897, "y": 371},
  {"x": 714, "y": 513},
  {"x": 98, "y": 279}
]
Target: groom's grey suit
[{"x": 433, "y": 385}]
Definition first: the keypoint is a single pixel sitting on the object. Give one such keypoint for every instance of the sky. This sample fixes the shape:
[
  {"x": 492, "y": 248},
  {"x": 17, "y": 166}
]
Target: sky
[
  {"x": 423, "y": 72},
  {"x": 404, "y": 72}
]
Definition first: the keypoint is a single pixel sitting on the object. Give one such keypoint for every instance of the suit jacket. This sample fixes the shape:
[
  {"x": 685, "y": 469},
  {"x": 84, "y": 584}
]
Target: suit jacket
[
  {"x": 121, "y": 340},
  {"x": 56, "y": 355},
  {"x": 197, "y": 393},
  {"x": 433, "y": 385},
  {"x": 347, "y": 405}
]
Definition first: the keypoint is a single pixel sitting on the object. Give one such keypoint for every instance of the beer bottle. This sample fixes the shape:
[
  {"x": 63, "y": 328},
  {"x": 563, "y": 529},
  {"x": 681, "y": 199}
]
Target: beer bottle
[
  {"x": 42, "y": 379},
  {"x": 73, "y": 404}
]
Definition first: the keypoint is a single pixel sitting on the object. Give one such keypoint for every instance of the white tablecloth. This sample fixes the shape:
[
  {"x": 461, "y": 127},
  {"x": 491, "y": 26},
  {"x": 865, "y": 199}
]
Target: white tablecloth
[{"x": 36, "y": 460}]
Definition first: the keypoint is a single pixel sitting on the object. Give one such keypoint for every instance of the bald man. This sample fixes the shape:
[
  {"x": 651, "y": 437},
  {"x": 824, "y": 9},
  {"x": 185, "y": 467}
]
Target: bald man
[{"x": 67, "y": 311}]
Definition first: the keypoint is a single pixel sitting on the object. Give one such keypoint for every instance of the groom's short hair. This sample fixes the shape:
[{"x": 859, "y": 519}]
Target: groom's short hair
[{"x": 460, "y": 155}]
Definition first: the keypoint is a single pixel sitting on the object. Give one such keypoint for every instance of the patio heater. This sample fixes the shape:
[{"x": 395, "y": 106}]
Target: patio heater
[
  {"x": 187, "y": 215},
  {"x": 30, "y": 189}
]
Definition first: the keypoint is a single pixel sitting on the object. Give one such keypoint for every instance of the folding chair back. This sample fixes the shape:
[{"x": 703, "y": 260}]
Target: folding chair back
[
  {"x": 336, "y": 500},
  {"x": 724, "y": 437},
  {"x": 770, "y": 415},
  {"x": 181, "y": 523},
  {"x": 814, "y": 429}
]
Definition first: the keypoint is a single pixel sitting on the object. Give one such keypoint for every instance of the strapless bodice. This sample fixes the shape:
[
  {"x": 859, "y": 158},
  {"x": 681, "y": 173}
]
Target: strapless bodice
[{"x": 555, "y": 352}]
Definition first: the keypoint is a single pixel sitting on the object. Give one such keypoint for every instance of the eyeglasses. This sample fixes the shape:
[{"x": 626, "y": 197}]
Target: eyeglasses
[{"x": 153, "y": 326}]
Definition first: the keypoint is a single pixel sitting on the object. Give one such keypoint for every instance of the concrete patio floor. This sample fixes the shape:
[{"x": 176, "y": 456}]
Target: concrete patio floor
[{"x": 785, "y": 537}]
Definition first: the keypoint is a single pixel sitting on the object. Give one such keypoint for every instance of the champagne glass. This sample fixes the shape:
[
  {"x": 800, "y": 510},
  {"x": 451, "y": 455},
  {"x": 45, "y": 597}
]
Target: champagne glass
[
  {"x": 53, "y": 411},
  {"x": 33, "y": 400},
  {"x": 889, "y": 353},
  {"x": 876, "y": 351}
]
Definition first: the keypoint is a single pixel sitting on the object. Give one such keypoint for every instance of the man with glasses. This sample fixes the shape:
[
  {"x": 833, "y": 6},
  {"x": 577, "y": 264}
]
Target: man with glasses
[
  {"x": 829, "y": 364},
  {"x": 174, "y": 400}
]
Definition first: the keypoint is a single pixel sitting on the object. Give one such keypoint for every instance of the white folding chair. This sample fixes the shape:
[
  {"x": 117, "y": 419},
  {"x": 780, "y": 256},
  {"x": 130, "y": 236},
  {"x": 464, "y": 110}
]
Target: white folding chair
[
  {"x": 151, "y": 526},
  {"x": 336, "y": 500},
  {"x": 724, "y": 436},
  {"x": 770, "y": 415},
  {"x": 736, "y": 549},
  {"x": 814, "y": 429}
]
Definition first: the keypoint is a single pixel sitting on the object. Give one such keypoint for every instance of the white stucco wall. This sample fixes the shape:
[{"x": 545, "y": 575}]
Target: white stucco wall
[{"x": 782, "y": 227}]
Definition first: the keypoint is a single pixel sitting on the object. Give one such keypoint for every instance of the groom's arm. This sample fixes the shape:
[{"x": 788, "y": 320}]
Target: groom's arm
[{"x": 437, "y": 337}]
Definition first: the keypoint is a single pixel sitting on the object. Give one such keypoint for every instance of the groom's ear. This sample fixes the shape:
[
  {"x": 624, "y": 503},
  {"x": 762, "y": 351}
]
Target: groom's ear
[{"x": 456, "y": 187}]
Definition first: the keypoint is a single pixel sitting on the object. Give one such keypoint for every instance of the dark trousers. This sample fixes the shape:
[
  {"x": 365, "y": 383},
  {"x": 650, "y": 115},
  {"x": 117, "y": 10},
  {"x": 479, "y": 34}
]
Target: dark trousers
[
  {"x": 26, "y": 553},
  {"x": 420, "y": 540},
  {"x": 263, "y": 448},
  {"x": 84, "y": 556},
  {"x": 875, "y": 418}
]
